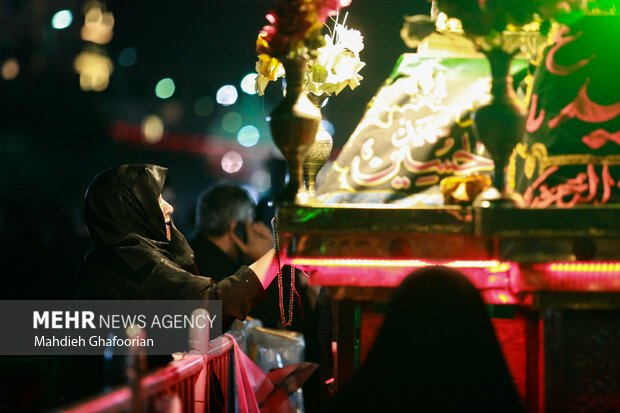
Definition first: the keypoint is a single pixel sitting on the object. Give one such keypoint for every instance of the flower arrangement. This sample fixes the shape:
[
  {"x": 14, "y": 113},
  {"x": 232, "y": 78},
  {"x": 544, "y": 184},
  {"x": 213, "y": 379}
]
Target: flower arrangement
[
  {"x": 293, "y": 32},
  {"x": 337, "y": 64}
]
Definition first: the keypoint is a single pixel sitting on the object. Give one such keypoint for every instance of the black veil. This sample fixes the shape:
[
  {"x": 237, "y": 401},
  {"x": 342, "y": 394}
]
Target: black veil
[{"x": 436, "y": 352}]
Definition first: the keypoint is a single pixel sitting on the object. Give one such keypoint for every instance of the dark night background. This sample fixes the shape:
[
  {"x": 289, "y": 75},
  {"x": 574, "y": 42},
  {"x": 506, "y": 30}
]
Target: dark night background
[{"x": 54, "y": 137}]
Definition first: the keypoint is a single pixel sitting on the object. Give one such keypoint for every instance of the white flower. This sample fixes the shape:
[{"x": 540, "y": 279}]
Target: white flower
[
  {"x": 351, "y": 39},
  {"x": 337, "y": 64}
]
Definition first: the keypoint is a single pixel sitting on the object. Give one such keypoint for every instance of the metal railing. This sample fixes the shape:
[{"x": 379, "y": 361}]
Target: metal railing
[{"x": 183, "y": 385}]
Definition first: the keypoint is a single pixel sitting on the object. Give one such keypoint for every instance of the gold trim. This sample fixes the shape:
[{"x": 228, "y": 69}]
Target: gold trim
[{"x": 580, "y": 159}]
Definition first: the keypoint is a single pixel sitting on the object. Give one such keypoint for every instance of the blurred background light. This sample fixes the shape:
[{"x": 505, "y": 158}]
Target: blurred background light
[
  {"x": 10, "y": 69},
  {"x": 94, "y": 70},
  {"x": 127, "y": 57},
  {"x": 328, "y": 126},
  {"x": 248, "y": 136},
  {"x": 231, "y": 122},
  {"x": 98, "y": 24},
  {"x": 153, "y": 128},
  {"x": 261, "y": 180},
  {"x": 172, "y": 112},
  {"x": 232, "y": 162},
  {"x": 164, "y": 88},
  {"x": 248, "y": 84},
  {"x": 203, "y": 106},
  {"x": 62, "y": 19},
  {"x": 226, "y": 95}
]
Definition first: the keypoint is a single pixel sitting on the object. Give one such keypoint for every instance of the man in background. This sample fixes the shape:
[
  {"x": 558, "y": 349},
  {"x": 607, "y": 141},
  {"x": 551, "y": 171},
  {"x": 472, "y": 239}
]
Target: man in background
[
  {"x": 220, "y": 247},
  {"x": 226, "y": 236}
]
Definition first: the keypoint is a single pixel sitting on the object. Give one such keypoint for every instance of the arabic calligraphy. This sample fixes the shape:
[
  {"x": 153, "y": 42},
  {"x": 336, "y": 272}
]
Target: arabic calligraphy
[
  {"x": 400, "y": 182},
  {"x": 585, "y": 110},
  {"x": 599, "y": 137},
  {"x": 461, "y": 163},
  {"x": 533, "y": 121},
  {"x": 427, "y": 180},
  {"x": 581, "y": 189},
  {"x": 448, "y": 144},
  {"x": 536, "y": 155},
  {"x": 566, "y": 172},
  {"x": 560, "y": 41}
]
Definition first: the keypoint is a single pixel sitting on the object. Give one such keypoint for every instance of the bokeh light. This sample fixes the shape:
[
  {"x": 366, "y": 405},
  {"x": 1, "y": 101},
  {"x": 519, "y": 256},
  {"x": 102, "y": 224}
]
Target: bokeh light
[
  {"x": 226, "y": 95},
  {"x": 10, "y": 69},
  {"x": 153, "y": 128},
  {"x": 62, "y": 19},
  {"x": 128, "y": 56},
  {"x": 203, "y": 106},
  {"x": 98, "y": 24},
  {"x": 165, "y": 88},
  {"x": 232, "y": 162},
  {"x": 231, "y": 122},
  {"x": 172, "y": 112},
  {"x": 94, "y": 69},
  {"x": 261, "y": 180},
  {"x": 248, "y": 84},
  {"x": 248, "y": 136}
]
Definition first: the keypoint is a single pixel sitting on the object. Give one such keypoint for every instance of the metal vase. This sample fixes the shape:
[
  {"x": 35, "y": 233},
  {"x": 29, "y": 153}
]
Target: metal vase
[
  {"x": 294, "y": 123},
  {"x": 500, "y": 124},
  {"x": 319, "y": 151}
]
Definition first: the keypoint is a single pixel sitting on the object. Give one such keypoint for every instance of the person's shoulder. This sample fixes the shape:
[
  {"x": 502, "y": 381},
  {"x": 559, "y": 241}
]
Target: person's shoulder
[{"x": 139, "y": 252}]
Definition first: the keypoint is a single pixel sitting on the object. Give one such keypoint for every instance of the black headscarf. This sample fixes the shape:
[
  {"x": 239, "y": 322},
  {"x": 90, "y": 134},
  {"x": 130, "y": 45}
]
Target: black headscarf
[
  {"x": 436, "y": 352},
  {"x": 127, "y": 227},
  {"x": 123, "y": 201}
]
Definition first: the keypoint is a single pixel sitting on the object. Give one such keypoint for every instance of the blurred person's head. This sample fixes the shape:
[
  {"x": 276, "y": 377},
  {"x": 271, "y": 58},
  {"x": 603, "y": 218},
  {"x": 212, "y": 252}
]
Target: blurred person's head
[
  {"x": 221, "y": 207},
  {"x": 436, "y": 352}
]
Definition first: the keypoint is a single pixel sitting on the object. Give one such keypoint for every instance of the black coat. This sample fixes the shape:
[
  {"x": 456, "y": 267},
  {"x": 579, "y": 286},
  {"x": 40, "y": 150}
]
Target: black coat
[
  {"x": 132, "y": 258},
  {"x": 210, "y": 259}
]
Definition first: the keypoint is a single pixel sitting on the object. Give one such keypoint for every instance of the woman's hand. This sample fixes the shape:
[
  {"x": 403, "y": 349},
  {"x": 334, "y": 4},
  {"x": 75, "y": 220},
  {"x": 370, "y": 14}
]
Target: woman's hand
[{"x": 265, "y": 268}]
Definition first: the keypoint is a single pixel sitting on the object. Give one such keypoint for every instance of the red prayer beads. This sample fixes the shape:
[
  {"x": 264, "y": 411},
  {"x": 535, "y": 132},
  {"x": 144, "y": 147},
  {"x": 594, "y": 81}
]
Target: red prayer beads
[{"x": 285, "y": 323}]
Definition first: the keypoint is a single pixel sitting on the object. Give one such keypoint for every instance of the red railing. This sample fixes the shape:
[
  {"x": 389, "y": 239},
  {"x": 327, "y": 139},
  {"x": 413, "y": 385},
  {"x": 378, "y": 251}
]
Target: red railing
[
  {"x": 220, "y": 365},
  {"x": 183, "y": 383}
]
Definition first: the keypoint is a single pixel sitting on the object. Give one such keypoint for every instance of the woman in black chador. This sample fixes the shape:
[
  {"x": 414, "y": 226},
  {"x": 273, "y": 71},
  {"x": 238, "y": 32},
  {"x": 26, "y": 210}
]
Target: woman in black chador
[
  {"x": 139, "y": 254},
  {"x": 436, "y": 352}
]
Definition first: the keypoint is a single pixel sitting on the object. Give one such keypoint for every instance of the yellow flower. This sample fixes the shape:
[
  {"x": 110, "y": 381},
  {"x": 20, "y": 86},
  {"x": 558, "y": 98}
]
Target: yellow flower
[
  {"x": 268, "y": 66},
  {"x": 261, "y": 44},
  {"x": 268, "y": 69}
]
